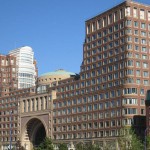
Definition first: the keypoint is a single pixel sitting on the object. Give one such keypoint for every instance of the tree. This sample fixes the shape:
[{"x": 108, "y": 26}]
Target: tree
[
  {"x": 87, "y": 146},
  {"x": 47, "y": 144},
  {"x": 148, "y": 142},
  {"x": 129, "y": 140},
  {"x": 62, "y": 146}
]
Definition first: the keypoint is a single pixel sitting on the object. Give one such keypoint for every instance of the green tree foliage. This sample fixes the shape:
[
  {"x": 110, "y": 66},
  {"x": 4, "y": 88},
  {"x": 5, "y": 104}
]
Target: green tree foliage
[
  {"x": 47, "y": 144},
  {"x": 87, "y": 146},
  {"x": 148, "y": 142},
  {"x": 63, "y": 146},
  {"x": 129, "y": 141}
]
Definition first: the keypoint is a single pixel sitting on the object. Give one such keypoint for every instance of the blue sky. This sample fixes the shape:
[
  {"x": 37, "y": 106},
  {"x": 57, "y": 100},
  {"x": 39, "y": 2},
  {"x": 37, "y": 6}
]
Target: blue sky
[{"x": 55, "y": 29}]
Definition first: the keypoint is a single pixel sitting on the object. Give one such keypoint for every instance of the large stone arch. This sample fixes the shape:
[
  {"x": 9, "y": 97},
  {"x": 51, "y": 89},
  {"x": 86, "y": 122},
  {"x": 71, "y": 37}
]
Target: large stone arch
[{"x": 34, "y": 130}]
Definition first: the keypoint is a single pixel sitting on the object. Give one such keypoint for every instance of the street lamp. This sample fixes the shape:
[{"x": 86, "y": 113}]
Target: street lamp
[{"x": 10, "y": 132}]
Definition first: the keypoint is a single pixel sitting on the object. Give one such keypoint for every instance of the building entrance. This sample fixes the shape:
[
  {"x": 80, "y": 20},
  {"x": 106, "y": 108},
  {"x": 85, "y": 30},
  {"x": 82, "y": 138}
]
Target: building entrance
[{"x": 35, "y": 133}]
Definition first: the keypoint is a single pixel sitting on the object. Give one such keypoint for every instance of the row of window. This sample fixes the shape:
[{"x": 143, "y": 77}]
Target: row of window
[
  {"x": 105, "y": 86},
  {"x": 90, "y": 125},
  {"x": 7, "y": 139},
  {"x": 7, "y": 126},
  {"x": 85, "y": 117},
  {"x": 84, "y": 100},
  {"x": 116, "y": 36},
  {"x": 118, "y": 14}
]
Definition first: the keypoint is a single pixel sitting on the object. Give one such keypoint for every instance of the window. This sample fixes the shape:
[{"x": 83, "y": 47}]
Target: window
[
  {"x": 143, "y": 41},
  {"x": 130, "y": 72},
  {"x": 142, "y": 91},
  {"x": 144, "y": 57},
  {"x": 128, "y": 22},
  {"x": 129, "y": 31},
  {"x": 130, "y": 91},
  {"x": 137, "y": 64},
  {"x": 144, "y": 49},
  {"x": 136, "y": 40},
  {"x": 135, "y": 12},
  {"x": 116, "y": 27},
  {"x": 121, "y": 25},
  {"x": 129, "y": 111},
  {"x": 142, "y": 102},
  {"x": 99, "y": 24},
  {"x": 110, "y": 19},
  {"x": 145, "y": 74},
  {"x": 142, "y": 14},
  {"x": 88, "y": 29},
  {"x": 93, "y": 26},
  {"x": 137, "y": 56},
  {"x": 145, "y": 65},
  {"x": 130, "y": 62},
  {"x": 129, "y": 38},
  {"x": 104, "y": 21},
  {"x": 136, "y": 32},
  {"x": 143, "y": 25},
  {"x": 136, "y": 47},
  {"x": 130, "y": 101},
  {"x": 115, "y": 16},
  {"x": 129, "y": 46},
  {"x": 127, "y": 11},
  {"x": 138, "y": 73},
  {"x": 138, "y": 81},
  {"x": 145, "y": 82},
  {"x": 143, "y": 33},
  {"x": 148, "y": 15}
]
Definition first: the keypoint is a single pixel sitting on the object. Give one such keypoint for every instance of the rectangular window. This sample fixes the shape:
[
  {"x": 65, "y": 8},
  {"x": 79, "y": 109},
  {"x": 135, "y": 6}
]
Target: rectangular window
[
  {"x": 145, "y": 74},
  {"x": 144, "y": 49},
  {"x": 135, "y": 12},
  {"x": 143, "y": 25},
  {"x": 136, "y": 32},
  {"x": 127, "y": 11},
  {"x": 148, "y": 15},
  {"x": 137, "y": 64},
  {"x": 143, "y": 33},
  {"x": 138, "y": 73},
  {"x": 128, "y": 22},
  {"x": 145, "y": 82},
  {"x": 138, "y": 81},
  {"x": 115, "y": 16},
  {"x": 110, "y": 19},
  {"x": 145, "y": 65},
  {"x": 142, "y": 14},
  {"x": 143, "y": 41}
]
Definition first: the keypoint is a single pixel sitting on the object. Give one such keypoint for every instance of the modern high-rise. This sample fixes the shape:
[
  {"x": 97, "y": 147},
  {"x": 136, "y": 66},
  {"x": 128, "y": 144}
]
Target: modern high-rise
[
  {"x": 26, "y": 69},
  {"x": 109, "y": 93}
]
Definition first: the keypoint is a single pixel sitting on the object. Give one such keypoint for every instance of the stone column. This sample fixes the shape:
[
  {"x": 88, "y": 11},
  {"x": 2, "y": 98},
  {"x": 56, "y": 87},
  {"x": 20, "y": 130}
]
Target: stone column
[
  {"x": 46, "y": 102},
  {"x": 43, "y": 102},
  {"x": 39, "y": 103},
  {"x": 30, "y": 101},
  {"x": 26, "y": 106},
  {"x": 34, "y": 104}
]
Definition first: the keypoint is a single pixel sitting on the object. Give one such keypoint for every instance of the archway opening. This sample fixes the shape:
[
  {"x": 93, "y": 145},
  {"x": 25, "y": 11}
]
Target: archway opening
[
  {"x": 36, "y": 132},
  {"x": 39, "y": 135}
]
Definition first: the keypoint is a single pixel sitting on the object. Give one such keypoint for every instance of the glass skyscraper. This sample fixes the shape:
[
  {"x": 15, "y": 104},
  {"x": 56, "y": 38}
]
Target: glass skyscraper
[{"x": 26, "y": 70}]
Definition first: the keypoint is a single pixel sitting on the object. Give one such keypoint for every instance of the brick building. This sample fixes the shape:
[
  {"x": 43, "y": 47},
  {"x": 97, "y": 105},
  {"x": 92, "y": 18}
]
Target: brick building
[{"x": 108, "y": 94}]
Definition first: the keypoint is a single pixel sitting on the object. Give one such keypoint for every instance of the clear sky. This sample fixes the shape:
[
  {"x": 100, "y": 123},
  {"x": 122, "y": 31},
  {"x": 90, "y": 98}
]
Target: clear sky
[{"x": 55, "y": 29}]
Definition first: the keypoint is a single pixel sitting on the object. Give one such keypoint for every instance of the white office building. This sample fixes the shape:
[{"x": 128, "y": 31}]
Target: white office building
[{"x": 26, "y": 67}]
